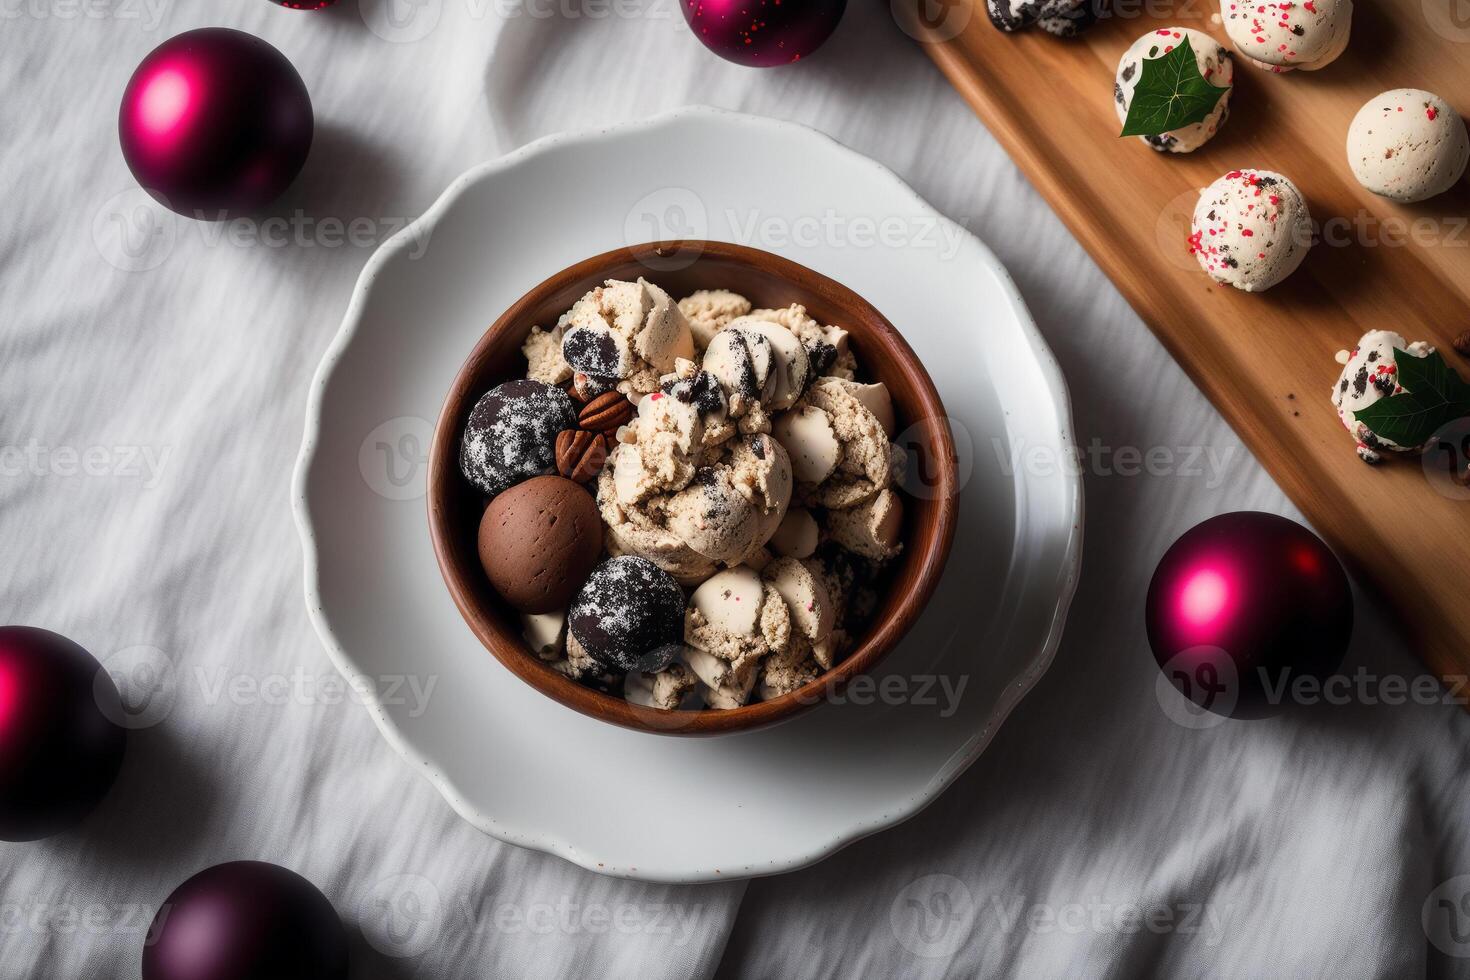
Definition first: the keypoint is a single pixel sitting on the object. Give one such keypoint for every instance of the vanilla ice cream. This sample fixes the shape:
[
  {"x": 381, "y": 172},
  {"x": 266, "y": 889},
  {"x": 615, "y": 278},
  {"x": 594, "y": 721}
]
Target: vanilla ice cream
[
  {"x": 1251, "y": 229},
  {"x": 1369, "y": 372},
  {"x": 1280, "y": 37},
  {"x": 1215, "y": 65},
  {"x": 1408, "y": 145},
  {"x": 625, "y": 334},
  {"x": 736, "y": 412}
]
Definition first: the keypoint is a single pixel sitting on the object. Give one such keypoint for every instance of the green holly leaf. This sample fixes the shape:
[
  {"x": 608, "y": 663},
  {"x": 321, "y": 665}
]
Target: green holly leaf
[
  {"x": 1433, "y": 396},
  {"x": 1171, "y": 94}
]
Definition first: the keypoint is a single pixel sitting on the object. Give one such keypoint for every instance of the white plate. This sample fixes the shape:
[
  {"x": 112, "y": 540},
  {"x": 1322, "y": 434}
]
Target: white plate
[{"x": 523, "y": 768}]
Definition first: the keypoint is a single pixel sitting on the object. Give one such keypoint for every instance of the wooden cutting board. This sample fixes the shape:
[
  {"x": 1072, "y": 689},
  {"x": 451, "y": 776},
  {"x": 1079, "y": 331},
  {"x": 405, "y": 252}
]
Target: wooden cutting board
[{"x": 1266, "y": 359}]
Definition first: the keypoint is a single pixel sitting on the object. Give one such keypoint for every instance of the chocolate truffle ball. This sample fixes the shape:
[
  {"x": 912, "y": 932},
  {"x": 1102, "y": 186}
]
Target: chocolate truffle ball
[
  {"x": 629, "y": 615},
  {"x": 538, "y": 542},
  {"x": 511, "y": 434}
]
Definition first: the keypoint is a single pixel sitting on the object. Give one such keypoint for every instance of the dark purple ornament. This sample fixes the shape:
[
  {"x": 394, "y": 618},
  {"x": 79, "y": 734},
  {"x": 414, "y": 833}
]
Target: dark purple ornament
[
  {"x": 60, "y": 747},
  {"x": 763, "y": 33},
  {"x": 1241, "y": 605},
  {"x": 246, "y": 920},
  {"x": 215, "y": 120}
]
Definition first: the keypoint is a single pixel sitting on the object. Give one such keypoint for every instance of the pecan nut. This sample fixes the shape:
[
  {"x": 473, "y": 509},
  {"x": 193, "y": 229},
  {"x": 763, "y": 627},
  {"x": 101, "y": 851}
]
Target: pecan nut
[
  {"x": 580, "y": 454},
  {"x": 606, "y": 412},
  {"x": 1462, "y": 343},
  {"x": 586, "y": 387}
]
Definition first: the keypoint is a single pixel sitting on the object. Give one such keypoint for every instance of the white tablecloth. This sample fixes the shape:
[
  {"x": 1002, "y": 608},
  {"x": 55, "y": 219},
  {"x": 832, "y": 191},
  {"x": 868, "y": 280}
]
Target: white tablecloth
[{"x": 150, "y": 420}]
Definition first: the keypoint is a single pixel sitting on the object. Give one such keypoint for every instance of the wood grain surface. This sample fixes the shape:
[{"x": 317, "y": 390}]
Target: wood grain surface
[{"x": 1266, "y": 359}]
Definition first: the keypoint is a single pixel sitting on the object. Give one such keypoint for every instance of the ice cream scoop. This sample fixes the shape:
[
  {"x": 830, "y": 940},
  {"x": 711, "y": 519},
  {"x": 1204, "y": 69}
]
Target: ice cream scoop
[
  {"x": 628, "y": 331},
  {"x": 761, "y": 470},
  {"x": 740, "y": 360},
  {"x": 874, "y": 397},
  {"x": 1215, "y": 65},
  {"x": 807, "y": 436},
  {"x": 709, "y": 310},
  {"x": 1369, "y": 372},
  {"x": 812, "y": 611},
  {"x": 797, "y": 536},
  {"x": 734, "y": 621},
  {"x": 714, "y": 518},
  {"x": 1251, "y": 229},
  {"x": 872, "y": 528},
  {"x": 1280, "y": 37},
  {"x": 668, "y": 690},
  {"x": 790, "y": 368},
  {"x": 1408, "y": 145},
  {"x": 668, "y": 434}
]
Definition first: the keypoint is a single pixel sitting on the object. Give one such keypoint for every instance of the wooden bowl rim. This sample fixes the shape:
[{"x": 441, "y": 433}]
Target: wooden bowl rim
[{"x": 504, "y": 641}]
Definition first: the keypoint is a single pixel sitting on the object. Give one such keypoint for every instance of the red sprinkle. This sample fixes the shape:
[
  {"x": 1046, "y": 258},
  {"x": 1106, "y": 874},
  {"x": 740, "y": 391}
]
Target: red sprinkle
[
  {"x": 1430, "y": 112},
  {"x": 1247, "y": 233}
]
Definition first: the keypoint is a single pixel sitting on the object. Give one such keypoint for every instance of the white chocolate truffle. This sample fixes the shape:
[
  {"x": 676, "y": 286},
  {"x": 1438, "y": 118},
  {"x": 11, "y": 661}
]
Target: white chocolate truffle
[
  {"x": 1369, "y": 372},
  {"x": 1215, "y": 64},
  {"x": 1251, "y": 229},
  {"x": 1408, "y": 145},
  {"x": 1282, "y": 36}
]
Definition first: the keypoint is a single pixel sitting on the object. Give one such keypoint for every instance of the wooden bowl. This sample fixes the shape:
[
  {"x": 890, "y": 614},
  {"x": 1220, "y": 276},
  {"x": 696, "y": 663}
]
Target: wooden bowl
[{"x": 767, "y": 280}]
